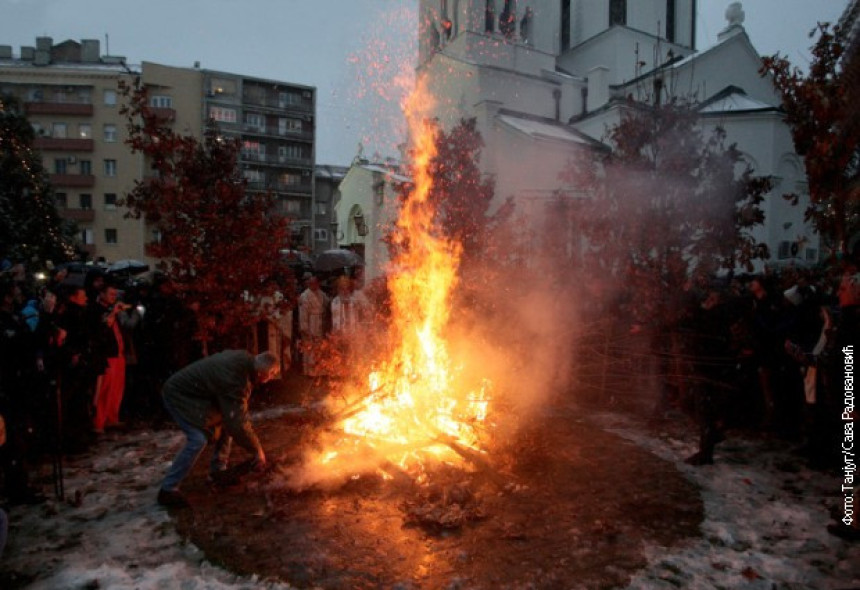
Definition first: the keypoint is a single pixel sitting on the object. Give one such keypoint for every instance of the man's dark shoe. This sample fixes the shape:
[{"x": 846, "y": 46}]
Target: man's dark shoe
[{"x": 172, "y": 499}]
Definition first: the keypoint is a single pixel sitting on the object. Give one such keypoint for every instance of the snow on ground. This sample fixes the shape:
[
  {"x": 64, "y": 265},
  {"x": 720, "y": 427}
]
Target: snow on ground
[
  {"x": 764, "y": 526},
  {"x": 765, "y": 522},
  {"x": 118, "y": 537}
]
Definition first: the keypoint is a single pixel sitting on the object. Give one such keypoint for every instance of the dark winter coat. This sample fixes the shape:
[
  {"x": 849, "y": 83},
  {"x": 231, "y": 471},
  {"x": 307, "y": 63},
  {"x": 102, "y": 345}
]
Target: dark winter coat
[{"x": 213, "y": 392}]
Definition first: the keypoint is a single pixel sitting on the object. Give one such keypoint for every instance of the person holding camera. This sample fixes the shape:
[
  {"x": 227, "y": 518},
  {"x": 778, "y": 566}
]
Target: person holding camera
[{"x": 109, "y": 356}]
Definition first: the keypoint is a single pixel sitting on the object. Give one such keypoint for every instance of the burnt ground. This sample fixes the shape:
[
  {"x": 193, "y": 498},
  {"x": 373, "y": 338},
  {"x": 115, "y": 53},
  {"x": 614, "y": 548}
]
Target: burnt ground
[{"x": 566, "y": 504}]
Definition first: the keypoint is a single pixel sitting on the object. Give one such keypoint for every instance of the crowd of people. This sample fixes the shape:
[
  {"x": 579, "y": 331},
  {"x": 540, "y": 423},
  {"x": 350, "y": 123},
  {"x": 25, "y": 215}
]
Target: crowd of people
[
  {"x": 330, "y": 322},
  {"x": 763, "y": 353},
  {"x": 81, "y": 353}
]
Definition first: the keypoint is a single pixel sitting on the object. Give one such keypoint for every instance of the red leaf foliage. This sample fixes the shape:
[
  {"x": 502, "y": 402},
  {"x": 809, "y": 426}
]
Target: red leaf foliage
[{"x": 219, "y": 243}]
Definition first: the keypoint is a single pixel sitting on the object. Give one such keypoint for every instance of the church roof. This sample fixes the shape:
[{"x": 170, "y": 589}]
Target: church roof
[
  {"x": 546, "y": 129},
  {"x": 733, "y": 99}
]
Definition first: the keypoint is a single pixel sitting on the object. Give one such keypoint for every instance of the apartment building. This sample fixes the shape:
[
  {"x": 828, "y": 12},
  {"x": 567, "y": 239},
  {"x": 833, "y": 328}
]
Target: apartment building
[
  {"x": 70, "y": 96},
  {"x": 69, "y": 93},
  {"x": 275, "y": 123}
]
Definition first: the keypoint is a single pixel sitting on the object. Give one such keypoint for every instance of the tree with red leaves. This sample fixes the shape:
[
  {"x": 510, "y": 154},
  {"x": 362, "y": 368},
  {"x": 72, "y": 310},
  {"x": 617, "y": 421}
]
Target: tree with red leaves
[
  {"x": 666, "y": 206},
  {"x": 460, "y": 196},
  {"x": 821, "y": 109},
  {"x": 218, "y": 242}
]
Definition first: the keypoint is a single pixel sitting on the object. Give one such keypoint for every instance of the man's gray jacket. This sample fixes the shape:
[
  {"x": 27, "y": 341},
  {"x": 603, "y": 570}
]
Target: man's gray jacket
[{"x": 213, "y": 392}]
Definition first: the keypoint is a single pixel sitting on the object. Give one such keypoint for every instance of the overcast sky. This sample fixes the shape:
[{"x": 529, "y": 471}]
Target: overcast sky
[{"x": 349, "y": 49}]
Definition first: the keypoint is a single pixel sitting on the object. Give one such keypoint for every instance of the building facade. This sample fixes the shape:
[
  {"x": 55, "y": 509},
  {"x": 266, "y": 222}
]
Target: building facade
[
  {"x": 327, "y": 179},
  {"x": 545, "y": 78},
  {"x": 70, "y": 96},
  {"x": 69, "y": 93}
]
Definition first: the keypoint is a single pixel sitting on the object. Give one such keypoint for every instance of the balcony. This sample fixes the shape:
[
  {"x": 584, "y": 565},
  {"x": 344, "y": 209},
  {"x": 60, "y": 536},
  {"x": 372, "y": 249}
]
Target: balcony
[
  {"x": 279, "y": 187},
  {"x": 306, "y": 106},
  {"x": 274, "y": 160},
  {"x": 301, "y": 189},
  {"x": 273, "y": 131},
  {"x": 77, "y": 214},
  {"x": 164, "y": 114},
  {"x": 74, "y": 109},
  {"x": 73, "y": 180},
  {"x": 64, "y": 144}
]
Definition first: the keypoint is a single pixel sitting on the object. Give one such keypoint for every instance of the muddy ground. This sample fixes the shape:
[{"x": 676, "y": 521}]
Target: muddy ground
[{"x": 565, "y": 504}]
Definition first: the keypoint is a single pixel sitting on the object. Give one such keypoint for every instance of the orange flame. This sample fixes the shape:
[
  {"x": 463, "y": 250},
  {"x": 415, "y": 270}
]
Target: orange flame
[{"x": 415, "y": 406}]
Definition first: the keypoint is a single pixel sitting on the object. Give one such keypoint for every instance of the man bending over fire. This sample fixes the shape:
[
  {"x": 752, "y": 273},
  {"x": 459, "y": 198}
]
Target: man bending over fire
[{"x": 209, "y": 399}]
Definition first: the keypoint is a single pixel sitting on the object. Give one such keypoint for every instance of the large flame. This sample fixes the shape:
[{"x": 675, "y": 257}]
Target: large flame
[{"x": 413, "y": 406}]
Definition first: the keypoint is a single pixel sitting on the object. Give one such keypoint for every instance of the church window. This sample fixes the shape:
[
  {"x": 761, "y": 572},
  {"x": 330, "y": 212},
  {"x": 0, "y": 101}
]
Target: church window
[{"x": 617, "y": 12}]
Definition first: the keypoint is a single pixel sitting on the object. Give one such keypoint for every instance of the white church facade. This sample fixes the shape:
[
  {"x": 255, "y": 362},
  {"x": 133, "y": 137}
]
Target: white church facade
[{"x": 545, "y": 78}]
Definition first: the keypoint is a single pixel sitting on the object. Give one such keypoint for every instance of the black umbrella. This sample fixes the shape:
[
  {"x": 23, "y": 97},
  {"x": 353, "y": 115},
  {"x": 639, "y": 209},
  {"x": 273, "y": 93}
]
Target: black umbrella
[
  {"x": 128, "y": 267},
  {"x": 298, "y": 261},
  {"x": 337, "y": 260},
  {"x": 75, "y": 267}
]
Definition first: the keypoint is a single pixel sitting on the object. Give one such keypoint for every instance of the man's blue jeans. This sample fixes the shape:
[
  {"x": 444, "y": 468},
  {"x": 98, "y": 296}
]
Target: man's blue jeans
[{"x": 194, "y": 444}]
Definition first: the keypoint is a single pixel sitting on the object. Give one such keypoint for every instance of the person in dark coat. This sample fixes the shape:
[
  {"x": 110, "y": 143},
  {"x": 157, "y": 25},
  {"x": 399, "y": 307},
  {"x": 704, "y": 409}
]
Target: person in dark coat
[
  {"x": 209, "y": 400},
  {"x": 714, "y": 364}
]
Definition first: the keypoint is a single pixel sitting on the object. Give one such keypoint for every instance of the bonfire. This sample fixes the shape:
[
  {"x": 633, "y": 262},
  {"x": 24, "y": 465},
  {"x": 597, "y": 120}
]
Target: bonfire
[{"x": 412, "y": 411}]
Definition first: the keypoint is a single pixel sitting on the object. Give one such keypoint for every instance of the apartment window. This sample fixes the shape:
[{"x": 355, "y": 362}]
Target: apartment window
[
  {"x": 110, "y": 97},
  {"x": 85, "y": 201},
  {"x": 255, "y": 121},
  {"x": 287, "y": 125},
  {"x": 86, "y": 167},
  {"x": 291, "y": 207},
  {"x": 222, "y": 114},
  {"x": 60, "y": 165},
  {"x": 110, "y": 235},
  {"x": 321, "y": 208},
  {"x": 38, "y": 130},
  {"x": 291, "y": 151},
  {"x": 61, "y": 200},
  {"x": 286, "y": 99},
  {"x": 321, "y": 235},
  {"x": 85, "y": 130},
  {"x": 161, "y": 102},
  {"x": 110, "y": 133},
  {"x": 253, "y": 150},
  {"x": 222, "y": 86},
  {"x": 58, "y": 130},
  {"x": 290, "y": 179},
  {"x": 784, "y": 250},
  {"x": 87, "y": 236},
  {"x": 110, "y": 167},
  {"x": 110, "y": 201},
  {"x": 617, "y": 12},
  {"x": 812, "y": 254},
  {"x": 254, "y": 176}
]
